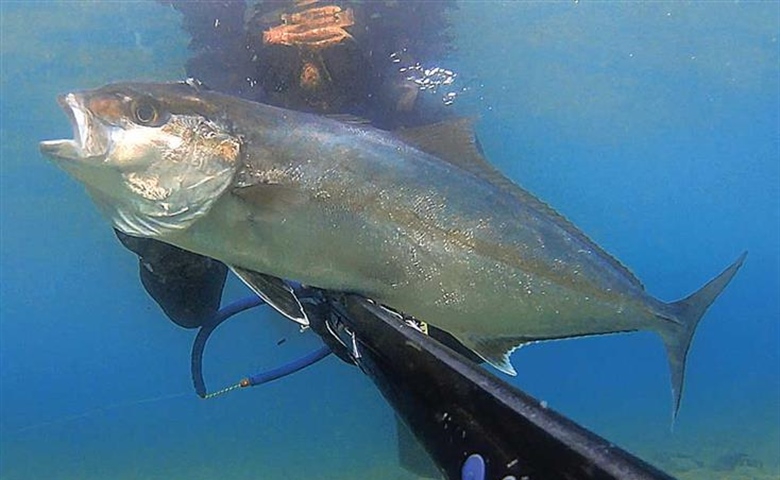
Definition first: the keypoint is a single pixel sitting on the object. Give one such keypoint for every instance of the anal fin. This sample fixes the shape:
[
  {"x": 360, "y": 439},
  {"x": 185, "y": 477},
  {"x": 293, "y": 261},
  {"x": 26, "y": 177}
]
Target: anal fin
[
  {"x": 495, "y": 351},
  {"x": 276, "y": 293}
]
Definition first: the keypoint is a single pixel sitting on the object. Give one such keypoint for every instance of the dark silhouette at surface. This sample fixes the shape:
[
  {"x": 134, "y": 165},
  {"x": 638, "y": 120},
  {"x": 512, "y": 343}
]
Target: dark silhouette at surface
[{"x": 357, "y": 72}]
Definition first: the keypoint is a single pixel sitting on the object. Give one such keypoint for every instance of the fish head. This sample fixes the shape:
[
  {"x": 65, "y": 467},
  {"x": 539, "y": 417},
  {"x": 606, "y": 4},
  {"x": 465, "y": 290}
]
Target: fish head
[{"x": 153, "y": 157}]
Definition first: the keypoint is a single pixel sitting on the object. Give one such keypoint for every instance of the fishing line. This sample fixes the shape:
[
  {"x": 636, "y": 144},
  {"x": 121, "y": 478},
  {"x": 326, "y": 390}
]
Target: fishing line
[{"x": 99, "y": 410}]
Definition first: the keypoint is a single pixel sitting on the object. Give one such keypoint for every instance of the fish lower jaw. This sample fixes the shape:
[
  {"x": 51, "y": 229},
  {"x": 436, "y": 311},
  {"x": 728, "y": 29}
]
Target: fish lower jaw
[
  {"x": 90, "y": 139},
  {"x": 63, "y": 149}
]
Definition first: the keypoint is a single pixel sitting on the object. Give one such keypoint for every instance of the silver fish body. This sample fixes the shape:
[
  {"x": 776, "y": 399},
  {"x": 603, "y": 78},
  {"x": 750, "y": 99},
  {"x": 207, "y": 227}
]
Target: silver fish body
[{"x": 422, "y": 224}]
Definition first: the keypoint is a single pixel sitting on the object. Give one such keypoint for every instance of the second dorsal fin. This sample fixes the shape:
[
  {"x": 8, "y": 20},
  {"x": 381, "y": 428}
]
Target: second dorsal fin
[{"x": 454, "y": 142}]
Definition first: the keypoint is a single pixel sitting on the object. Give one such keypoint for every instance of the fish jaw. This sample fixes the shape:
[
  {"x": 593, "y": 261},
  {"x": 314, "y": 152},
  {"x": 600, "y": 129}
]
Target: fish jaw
[
  {"x": 85, "y": 156},
  {"x": 150, "y": 166},
  {"x": 91, "y": 138}
]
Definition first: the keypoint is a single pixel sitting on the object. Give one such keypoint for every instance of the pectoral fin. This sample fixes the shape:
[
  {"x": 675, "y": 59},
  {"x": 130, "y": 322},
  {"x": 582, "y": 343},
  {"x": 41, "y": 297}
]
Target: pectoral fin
[
  {"x": 275, "y": 292},
  {"x": 270, "y": 198}
]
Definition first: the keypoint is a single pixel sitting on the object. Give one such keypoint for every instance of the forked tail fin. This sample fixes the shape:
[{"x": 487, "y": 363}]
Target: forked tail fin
[{"x": 685, "y": 315}]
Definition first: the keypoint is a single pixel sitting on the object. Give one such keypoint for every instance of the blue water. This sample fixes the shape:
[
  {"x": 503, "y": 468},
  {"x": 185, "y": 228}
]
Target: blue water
[{"x": 655, "y": 127}]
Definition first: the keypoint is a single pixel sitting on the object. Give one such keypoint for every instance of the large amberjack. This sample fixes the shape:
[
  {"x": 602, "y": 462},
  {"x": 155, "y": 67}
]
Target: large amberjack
[{"x": 418, "y": 220}]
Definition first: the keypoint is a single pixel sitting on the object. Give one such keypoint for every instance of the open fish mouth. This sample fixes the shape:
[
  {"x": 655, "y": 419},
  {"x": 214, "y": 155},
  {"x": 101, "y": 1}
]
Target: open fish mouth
[{"x": 89, "y": 137}]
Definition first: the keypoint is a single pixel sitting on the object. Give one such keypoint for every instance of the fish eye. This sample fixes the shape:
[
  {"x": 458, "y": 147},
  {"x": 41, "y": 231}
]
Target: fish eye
[{"x": 145, "y": 113}]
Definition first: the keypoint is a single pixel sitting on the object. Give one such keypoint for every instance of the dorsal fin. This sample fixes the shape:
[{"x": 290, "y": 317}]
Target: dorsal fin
[{"x": 454, "y": 141}]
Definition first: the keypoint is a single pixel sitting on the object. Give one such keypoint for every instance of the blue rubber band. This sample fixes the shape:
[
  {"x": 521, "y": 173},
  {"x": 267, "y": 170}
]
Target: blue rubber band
[{"x": 199, "y": 345}]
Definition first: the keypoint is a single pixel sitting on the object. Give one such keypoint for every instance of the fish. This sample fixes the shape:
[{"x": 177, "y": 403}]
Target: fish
[{"x": 416, "y": 220}]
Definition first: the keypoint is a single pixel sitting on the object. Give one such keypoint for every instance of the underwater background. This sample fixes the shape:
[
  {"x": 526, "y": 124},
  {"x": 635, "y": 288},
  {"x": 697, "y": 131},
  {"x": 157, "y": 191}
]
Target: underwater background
[{"x": 654, "y": 127}]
